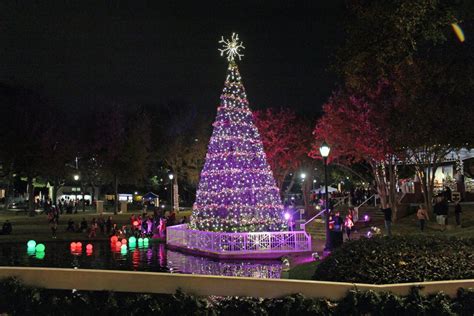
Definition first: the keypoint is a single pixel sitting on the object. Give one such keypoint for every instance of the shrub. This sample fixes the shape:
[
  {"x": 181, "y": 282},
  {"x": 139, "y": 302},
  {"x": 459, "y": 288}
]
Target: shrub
[
  {"x": 17, "y": 299},
  {"x": 399, "y": 260}
]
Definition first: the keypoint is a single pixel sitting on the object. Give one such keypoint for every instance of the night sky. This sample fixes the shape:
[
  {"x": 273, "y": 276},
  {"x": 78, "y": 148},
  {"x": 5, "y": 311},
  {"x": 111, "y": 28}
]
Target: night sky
[{"x": 82, "y": 54}]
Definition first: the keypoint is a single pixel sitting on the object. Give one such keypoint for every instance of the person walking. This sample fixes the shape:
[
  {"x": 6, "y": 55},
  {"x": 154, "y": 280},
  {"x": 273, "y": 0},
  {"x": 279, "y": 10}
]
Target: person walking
[
  {"x": 457, "y": 213},
  {"x": 422, "y": 215},
  {"x": 93, "y": 231},
  {"x": 53, "y": 223},
  {"x": 348, "y": 224},
  {"x": 388, "y": 219}
]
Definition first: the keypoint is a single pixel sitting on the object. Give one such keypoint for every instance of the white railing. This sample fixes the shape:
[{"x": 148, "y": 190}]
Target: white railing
[
  {"x": 342, "y": 200},
  {"x": 311, "y": 219},
  {"x": 374, "y": 196},
  {"x": 238, "y": 243}
]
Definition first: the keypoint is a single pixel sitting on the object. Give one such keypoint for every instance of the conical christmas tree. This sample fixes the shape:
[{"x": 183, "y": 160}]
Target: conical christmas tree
[{"x": 237, "y": 191}]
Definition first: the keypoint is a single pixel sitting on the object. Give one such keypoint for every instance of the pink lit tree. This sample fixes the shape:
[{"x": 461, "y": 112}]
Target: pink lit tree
[{"x": 237, "y": 190}]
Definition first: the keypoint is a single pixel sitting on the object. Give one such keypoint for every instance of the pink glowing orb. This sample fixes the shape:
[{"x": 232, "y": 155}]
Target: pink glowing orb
[
  {"x": 124, "y": 241},
  {"x": 366, "y": 217},
  {"x": 287, "y": 216},
  {"x": 113, "y": 239},
  {"x": 89, "y": 247},
  {"x": 73, "y": 245},
  {"x": 118, "y": 244},
  {"x": 78, "y": 244},
  {"x": 135, "y": 223}
]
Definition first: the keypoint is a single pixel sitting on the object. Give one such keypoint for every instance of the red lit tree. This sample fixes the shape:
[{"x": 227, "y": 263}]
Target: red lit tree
[
  {"x": 286, "y": 139},
  {"x": 358, "y": 128}
]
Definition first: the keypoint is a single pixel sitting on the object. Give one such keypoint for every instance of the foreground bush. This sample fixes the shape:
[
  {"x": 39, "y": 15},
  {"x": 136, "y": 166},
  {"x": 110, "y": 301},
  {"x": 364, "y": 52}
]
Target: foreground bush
[
  {"x": 17, "y": 299},
  {"x": 399, "y": 260}
]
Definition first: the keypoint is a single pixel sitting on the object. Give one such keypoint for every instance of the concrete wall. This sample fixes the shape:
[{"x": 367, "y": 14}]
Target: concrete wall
[{"x": 166, "y": 283}]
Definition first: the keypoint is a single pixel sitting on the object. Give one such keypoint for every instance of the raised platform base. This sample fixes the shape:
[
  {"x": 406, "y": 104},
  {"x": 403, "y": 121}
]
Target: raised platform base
[{"x": 261, "y": 245}]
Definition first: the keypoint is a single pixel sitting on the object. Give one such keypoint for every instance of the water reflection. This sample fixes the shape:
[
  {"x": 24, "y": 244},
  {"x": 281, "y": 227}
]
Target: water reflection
[{"x": 155, "y": 258}]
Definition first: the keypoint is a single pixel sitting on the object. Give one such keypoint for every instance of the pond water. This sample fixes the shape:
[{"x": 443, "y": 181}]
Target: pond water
[{"x": 155, "y": 258}]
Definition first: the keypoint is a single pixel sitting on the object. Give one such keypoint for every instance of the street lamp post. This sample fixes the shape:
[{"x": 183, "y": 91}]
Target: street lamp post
[
  {"x": 171, "y": 176},
  {"x": 324, "y": 150}
]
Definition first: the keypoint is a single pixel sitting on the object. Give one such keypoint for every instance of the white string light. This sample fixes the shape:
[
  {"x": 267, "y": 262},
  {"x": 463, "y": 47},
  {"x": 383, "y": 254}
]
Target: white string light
[{"x": 231, "y": 47}]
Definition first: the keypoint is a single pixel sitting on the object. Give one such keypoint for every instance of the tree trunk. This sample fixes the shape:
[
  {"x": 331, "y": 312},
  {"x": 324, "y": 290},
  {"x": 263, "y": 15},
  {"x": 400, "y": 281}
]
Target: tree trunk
[
  {"x": 380, "y": 183},
  {"x": 31, "y": 196},
  {"x": 116, "y": 194},
  {"x": 54, "y": 198},
  {"x": 280, "y": 181},
  {"x": 8, "y": 189},
  {"x": 292, "y": 182},
  {"x": 83, "y": 198},
  {"x": 393, "y": 198},
  {"x": 427, "y": 192}
]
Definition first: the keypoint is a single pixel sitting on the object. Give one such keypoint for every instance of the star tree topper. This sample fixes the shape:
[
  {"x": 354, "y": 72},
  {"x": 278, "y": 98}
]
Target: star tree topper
[{"x": 231, "y": 47}]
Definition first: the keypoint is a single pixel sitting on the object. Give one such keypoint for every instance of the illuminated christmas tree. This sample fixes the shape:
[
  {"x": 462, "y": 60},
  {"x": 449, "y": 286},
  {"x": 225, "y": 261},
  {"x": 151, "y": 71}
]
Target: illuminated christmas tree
[{"x": 237, "y": 191}]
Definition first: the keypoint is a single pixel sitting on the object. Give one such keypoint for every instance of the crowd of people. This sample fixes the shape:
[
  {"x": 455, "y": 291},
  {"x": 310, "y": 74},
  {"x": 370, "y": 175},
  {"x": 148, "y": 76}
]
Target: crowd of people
[
  {"x": 144, "y": 225},
  {"x": 441, "y": 211},
  {"x": 64, "y": 205}
]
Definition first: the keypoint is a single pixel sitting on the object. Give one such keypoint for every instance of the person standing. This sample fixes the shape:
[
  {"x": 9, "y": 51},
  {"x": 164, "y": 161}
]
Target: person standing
[
  {"x": 108, "y": 225},
  {"x": 457, "y": 213},
  {"x": 422, "y": 216},
  {"x": 388, "y": 219}
]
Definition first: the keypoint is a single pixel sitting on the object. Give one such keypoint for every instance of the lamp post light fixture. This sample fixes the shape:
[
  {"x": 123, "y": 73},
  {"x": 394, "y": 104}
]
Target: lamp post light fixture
[
  {"x": 324, "y": 151},
  {"x": 171, "y": 177},
  {"x": 76, "y": 177},
  {"x": 303, "y": 176}
]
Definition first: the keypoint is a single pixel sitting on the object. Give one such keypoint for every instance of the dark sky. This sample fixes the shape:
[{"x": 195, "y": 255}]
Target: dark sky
[{"x": 84, "y": 53}]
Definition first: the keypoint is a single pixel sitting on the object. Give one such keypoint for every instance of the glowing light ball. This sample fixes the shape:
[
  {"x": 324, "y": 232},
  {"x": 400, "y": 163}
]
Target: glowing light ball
[
  {"x": 124, "y": 241},
  {"x": 132, "y": 240},
  {"x": 31, "y": 244},
  {"x": 287, "y": 216},
  {"x": 73, "y": 245},
  {"x": 40, "y": 255},
  {"x": 118, "y": 244},
  {"x": 140, "y": 240},
  {"x": 31, "y": 251},
  {"x": 123, "y": 251},
  {"x": 366, "y": 218},
  {"x": 78, "y": 244},
  {"x": 135, "y": 223},
  {"x": 113, "y": 239},
  {"x": 123, "y": 247},
  {"x": 89, "y": 247},
  {"x": 40, "y": 248},
  {"x": 145, "y": 240}
]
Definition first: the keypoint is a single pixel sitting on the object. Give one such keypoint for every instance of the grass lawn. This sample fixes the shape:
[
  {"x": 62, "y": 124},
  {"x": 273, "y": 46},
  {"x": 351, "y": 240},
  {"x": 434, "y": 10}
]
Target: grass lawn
[
  {"x": 410, "y": 226},
  {"x": 37, "y": 227},
  {"x": 303, "y": 271}
]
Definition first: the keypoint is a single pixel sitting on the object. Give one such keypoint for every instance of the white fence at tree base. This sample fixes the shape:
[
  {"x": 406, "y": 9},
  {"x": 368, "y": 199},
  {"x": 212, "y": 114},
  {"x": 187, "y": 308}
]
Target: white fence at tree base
[{"x": 235, "y": 244}]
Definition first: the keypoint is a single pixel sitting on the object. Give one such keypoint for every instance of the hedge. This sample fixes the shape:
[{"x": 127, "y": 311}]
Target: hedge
[
  {"x": 386, "y": 260},
  {"x": 17, "y": 299}
]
